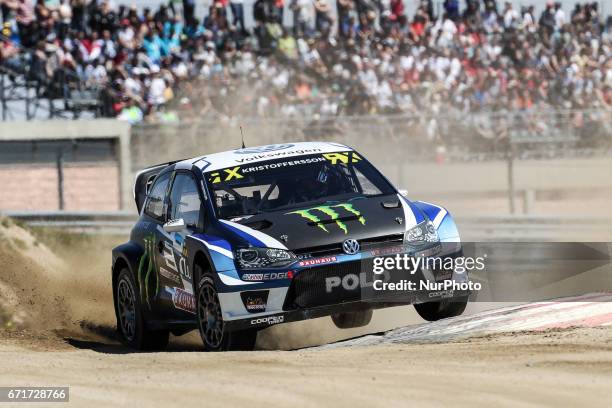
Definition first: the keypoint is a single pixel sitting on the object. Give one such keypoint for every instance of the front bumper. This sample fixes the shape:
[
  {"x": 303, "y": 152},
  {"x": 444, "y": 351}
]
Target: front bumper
[{"x": 343, "y": 283}]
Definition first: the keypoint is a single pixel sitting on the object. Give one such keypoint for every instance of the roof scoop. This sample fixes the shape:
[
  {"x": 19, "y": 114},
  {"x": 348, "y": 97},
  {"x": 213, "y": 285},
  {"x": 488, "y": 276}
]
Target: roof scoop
[
  {"x": 390, "y": 204},
  {"x": 258, "y": 225}
]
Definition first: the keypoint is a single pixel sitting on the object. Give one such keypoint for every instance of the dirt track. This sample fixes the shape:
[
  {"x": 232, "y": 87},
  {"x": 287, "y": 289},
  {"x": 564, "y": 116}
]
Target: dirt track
[
  {"x": 56, "y": 328},
  {"x": 563, "y": 368}
]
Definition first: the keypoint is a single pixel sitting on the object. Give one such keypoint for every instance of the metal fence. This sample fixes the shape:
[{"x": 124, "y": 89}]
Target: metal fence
[
  {"x": 513, "y": 154},
  {"x": 454, "y": 136},
  {"x": 477, "y": 229}
]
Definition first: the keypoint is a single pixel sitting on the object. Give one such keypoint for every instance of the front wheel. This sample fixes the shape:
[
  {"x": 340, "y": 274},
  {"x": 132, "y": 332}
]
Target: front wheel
[
  {"x": 130, "y": 320},
  {"x": 432, "y": 311},
  {"x": 211, "y": 326},
  {"x": 350, "y": 320}
]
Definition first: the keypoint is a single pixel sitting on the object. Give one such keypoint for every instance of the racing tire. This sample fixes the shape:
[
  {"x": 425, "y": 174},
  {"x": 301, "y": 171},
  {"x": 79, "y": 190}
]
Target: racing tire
[
  {"x": 212, "y": 329},
  {"x": 130, "y": 321},
  {"x": 350, "y": 320},
  {"x": 432, "y": 311}
]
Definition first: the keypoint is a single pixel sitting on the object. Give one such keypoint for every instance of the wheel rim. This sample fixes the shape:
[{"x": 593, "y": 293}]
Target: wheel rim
[
  {"x": 127, "y": 309},
  {"x": 209, "y": 316}
]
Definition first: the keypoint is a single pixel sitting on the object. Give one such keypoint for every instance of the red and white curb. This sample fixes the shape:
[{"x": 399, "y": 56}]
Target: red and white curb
[{"x": 590, "y": 310}]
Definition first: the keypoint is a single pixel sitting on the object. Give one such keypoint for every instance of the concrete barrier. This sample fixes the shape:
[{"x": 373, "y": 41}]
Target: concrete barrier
[
  {"x": 472, "y": 229},
  {"x": 52, "y": 150}
]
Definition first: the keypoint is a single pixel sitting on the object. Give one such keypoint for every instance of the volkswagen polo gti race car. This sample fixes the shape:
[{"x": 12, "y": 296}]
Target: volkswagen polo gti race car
[{"x": 233, "y": 242}]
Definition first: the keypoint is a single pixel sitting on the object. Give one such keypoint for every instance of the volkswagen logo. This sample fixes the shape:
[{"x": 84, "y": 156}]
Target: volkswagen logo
[
  {"x": 350, "y": 246},
  {"x": 263, "y": 149}
]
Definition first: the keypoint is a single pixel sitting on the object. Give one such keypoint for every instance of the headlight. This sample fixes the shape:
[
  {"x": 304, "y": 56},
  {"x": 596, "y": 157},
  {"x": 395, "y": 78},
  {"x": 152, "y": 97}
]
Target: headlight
[
  {"x": 257, "y": 258},
  {"x": 421, "y": 233}
]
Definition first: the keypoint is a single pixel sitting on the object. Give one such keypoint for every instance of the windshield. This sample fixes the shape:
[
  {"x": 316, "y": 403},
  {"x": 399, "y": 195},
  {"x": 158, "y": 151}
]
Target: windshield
[{"x": 289, "y": 183}]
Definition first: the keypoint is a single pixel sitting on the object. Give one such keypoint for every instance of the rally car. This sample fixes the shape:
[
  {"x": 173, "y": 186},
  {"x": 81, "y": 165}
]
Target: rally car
[{"x": 233, "y": 242}]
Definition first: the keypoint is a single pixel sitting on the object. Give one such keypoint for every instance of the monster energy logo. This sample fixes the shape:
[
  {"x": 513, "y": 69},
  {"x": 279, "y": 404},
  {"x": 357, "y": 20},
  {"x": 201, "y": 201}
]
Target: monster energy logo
[
  {"x": 329, "y": 210},
  {"x": 146, "y": 268}
]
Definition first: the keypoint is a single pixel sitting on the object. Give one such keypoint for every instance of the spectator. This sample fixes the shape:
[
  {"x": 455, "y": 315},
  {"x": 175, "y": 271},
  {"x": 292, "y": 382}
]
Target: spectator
[
  {"x": 131, "y": 112},
  {"x": 323, "y": 19},
  {"x": 238, "y": 14},
  {"x": 278, "y": 11},
  {"x": 511, "y": 16},
  {"x": 344, "y": 9},
  {"x": 157, "y": 65},
  {"x": 189, "y": 9},
  {"x": 547, "y": 19},
  {"x": 302, "y": 10},
  {"x": 25, "y": 19},
  {"x": 559, "y": 16},
  {"x": 451, "y": 8},
  {"x": 397, "y": 11},
  {"x": 288, "y": 46}
]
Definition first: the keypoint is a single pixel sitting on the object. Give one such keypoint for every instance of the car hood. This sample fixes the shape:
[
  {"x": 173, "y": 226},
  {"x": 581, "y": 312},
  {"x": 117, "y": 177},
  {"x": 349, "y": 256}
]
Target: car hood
[{"x": 326, "y": 224}]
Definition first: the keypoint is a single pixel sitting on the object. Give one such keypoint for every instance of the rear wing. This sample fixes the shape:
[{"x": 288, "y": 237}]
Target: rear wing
[{"x": 144, "y": 180}]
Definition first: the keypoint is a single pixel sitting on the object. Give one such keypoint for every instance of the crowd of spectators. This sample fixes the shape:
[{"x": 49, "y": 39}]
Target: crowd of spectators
[{"x": 364, "y": 57}]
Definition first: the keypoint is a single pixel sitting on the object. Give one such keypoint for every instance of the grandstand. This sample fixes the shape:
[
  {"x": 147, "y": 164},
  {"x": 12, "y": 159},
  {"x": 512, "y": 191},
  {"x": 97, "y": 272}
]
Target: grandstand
[
  {"x": 361, "y": 57},
  {"x": 24, "y": 94}
]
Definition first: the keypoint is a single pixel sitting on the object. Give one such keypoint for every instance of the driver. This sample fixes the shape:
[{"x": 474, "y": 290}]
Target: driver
[
  {"x": 308, "y": 189},
  {"x": 312, "y": 187}
]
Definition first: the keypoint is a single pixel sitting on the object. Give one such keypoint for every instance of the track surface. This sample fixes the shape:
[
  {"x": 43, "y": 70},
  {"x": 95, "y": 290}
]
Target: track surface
[
  {"x": 486, "y": 358},
  {"x": 590, "y": 310},
  {"x": 58, "y": 330}
]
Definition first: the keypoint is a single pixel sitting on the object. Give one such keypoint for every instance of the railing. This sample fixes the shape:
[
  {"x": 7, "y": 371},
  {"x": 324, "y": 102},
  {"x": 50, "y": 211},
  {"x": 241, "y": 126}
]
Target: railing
[
  {"x": 107, "y": 223},
  {"x": 27, "y": 92},
  {"x": 397, "y": 144},
  {"x": 423, "y": 137},
  {"x": 472, "y": 229}
]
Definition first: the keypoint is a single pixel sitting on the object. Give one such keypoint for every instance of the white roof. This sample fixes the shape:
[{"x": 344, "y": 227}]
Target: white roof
[{"x": 249, "y": 155}]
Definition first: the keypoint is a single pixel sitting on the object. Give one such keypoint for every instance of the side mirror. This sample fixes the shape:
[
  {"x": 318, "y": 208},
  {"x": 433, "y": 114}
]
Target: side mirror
[
  {"x": 175, "y": 225},
  {"x": 403, "y": 192}
]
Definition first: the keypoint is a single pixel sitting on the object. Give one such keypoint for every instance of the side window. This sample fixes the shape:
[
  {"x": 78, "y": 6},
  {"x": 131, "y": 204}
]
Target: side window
[
  {"x": 155, "y": 198},
  {"x": 366, "y": 185},
  {"x": 185, "y": 200}
]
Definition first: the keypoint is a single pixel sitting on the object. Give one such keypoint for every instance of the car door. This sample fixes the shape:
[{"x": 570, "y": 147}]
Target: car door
[
  {"x": 184, "y": 203},
  {"x": 151, "y": 237}
]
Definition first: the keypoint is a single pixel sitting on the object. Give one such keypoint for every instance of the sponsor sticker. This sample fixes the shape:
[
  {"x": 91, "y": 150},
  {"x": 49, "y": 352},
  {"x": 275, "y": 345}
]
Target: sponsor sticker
[
  {"x": 318, "y": 261},
  {"x": 171, "y": 276},
  {"x": 255, "y": 301},
  {"x": 352, "y": 281},
  {"x": 389, "y": 250},
  {"x": 255, "y": 305},
  {"x": 184, "y": 300},
  {"x": 279, "y": 154},
  {"x": 269, "y": 320},
  {"x": 267, "y": 276},
  {"x": 441, "y": 294},
  {"x": 225, "y": 175},
  {"x": 342, "y": 157},
  {"x": 318, "y": 215},
  {"x": 270, "y": 166}
]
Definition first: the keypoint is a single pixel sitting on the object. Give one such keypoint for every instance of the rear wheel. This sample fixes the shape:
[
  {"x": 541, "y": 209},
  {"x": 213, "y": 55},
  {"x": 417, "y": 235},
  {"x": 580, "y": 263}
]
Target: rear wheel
[
  {"x": 432, "y": 311},
  {"x": 130, "y": 321},
  {"x": 211, "y": 326},
  {"x": 350, "y": 320}
]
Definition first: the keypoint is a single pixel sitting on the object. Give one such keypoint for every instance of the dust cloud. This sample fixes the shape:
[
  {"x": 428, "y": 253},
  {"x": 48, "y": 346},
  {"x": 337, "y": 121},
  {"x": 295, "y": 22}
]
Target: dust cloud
[{"x": 57, "y": 284}]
